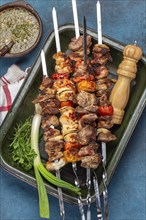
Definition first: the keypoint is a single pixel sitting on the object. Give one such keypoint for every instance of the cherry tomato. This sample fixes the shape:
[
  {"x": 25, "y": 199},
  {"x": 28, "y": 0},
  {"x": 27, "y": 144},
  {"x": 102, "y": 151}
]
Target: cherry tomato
[
  {"x": 105, "y": 110},
  {"x": 67, "y": 103},
  {"x": 60, "y": 75}
]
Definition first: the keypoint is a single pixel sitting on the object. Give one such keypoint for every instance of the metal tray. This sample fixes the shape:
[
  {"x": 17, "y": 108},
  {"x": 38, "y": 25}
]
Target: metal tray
[{"x": 23, "y": 108}]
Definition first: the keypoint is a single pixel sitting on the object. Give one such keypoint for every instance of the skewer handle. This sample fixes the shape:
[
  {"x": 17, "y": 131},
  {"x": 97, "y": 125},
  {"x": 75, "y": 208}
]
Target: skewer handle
[{"x": 126, "y": 72}]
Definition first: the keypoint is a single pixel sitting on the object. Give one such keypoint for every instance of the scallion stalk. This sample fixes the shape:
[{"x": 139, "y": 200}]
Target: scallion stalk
[{"x": 40, "y": 169}]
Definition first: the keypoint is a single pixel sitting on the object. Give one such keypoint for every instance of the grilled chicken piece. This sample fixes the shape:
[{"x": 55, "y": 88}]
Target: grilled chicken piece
[
  {"x": 71, "y": 137},
  {"x": 66, "y": 94},
  {"x": 49, "y": 120},
  {"x": 89, "y": 119},
  {"x": 61, "y": 83},
  {"x": 86, "y": 85},
  {"x": 86, "y": 99},
  {"x": 60, "y": 57},
  {"x": 66, "y": 129},
  {"x": 91, "y": 161},
  {"x": 89, "y": 150},
  {"x": 86, "y": 135},
  {"x": 68, "y": 119},
  {"x": 51, "y": 106},
  {"x": 72, "y": 155}
]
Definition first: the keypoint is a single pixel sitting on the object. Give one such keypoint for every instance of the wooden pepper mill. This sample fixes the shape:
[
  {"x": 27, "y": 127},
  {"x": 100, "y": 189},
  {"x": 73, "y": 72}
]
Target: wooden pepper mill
[{"x": 126, "y": 72}]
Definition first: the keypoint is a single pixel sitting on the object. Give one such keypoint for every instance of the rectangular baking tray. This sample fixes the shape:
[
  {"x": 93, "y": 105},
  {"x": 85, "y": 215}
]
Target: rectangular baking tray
[{"x": 23, "y": 108}]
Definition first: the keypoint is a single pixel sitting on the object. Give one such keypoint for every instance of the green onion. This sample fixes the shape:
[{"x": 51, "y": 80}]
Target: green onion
[{"x": 39, "y": 168}]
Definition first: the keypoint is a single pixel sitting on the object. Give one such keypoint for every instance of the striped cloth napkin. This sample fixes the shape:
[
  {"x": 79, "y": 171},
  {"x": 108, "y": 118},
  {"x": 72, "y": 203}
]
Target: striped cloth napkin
[{"x": 10, "y": 84}]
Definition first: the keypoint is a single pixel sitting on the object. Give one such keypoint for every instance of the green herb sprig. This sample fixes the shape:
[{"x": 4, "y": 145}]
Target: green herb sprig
[{"x": 21, "y": 150}]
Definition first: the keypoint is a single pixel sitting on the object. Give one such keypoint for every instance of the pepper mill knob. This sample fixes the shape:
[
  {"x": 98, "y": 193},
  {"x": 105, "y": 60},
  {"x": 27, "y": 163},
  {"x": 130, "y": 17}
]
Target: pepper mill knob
[{"x": 126, "y": 72}]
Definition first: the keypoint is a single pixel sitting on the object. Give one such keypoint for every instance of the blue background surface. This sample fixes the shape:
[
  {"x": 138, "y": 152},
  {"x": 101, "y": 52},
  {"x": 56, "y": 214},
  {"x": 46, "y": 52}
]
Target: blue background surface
[{"x": 124, "y": 21}]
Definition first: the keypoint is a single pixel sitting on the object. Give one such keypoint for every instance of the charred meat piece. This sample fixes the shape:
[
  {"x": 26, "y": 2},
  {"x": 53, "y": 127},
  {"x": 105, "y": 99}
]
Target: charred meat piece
[
  {"x": 47, "y": 82},
  {"x": 105, "y": 124},
  {"x": 50, "y": 120},
  {"x": 50, "y": 133},
  {"x": 103, "y": 100},
  {"x": 100, "y": 71},
  {"x": 77, "y": 44},
  {"x": 86, "y": 110},
  {"x": 89, "y": 150},
  {"x": 106, "y": 137},
  {"x": 92, "y": 108},
  {"x": 81, "y": 111},
  {"x": 85, "y": 99},
  {"x": 91, "y": 161},
  {"x": 89, "y": 119},
  {"x": 102, "y": 92},
  {"x": 54, "y": 146},
  {"x": 43, "y": 98},
  {"x": 86, "y": 135},
  {"x": 101, "y": 54},
  {"x": 55, "y": 155}
]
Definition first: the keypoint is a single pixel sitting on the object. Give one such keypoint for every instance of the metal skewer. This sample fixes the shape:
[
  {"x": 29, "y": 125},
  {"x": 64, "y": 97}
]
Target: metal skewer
[
  {"x": 74, "y": 165},
  {"x": 97, "y": 196},
  {"x": 88, "y": 171},
  {"x": 60, "y": 196},
  {"x": 103, "y": 145},
  {"x": 104, "y": 178},
  {"x": 61, "y": 204}
]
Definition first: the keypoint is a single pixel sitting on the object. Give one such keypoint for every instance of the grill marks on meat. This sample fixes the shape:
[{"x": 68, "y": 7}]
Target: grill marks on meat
[
  {"x": 101, "y": 55},
  {"x": 87, "y": 134},
  {"x": 49, "y": 120},
  {"x": 89, "y": 119},
  {"x": 76, "y": 45},
  {"x": 81, "y": 127},
  {"x": 89, "y": 150},
  {"x": 63, "y": 63},
  {"x": 85, "y": 99},
  {"x": 91, "y": 161},
  {"x": 54, "y": 149}
]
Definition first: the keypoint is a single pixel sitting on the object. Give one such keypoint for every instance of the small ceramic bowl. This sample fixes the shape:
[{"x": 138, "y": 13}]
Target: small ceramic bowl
[{"x": 21, "y": 32}]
